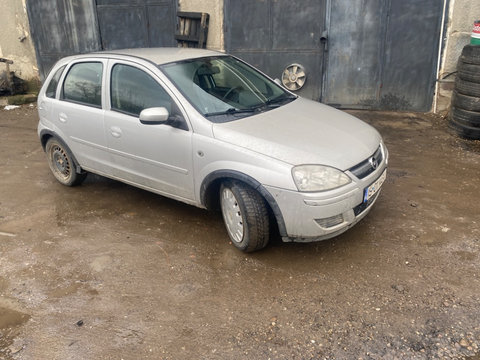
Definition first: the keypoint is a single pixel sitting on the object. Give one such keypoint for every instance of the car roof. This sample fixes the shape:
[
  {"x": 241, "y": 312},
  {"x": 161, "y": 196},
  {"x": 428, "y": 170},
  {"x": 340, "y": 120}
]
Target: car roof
[{"x": 162, "y": 55}]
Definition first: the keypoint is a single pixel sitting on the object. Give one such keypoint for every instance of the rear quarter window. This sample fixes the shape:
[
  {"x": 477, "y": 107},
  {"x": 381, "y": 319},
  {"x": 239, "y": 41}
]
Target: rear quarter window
[
  {"x": 83, "y": 84},
  {"x": 53, "y": 84}
]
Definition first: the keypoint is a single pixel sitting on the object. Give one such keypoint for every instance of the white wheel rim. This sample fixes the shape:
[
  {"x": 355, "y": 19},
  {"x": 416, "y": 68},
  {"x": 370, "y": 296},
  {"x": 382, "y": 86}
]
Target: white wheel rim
[{"x": 232, "y": 215}]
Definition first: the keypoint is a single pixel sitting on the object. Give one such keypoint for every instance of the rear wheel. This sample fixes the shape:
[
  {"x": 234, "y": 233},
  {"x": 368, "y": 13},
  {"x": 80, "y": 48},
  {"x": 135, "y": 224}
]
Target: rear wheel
[
  {"x": 245, "y": 215},
  {"x": 61, "y": 163}
]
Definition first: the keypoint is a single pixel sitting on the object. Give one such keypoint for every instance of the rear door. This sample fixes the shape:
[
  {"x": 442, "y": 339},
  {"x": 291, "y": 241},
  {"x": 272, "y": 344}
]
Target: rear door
[
  {"x": 157, "y": 157},
  {"x": 79, "y": 113}
]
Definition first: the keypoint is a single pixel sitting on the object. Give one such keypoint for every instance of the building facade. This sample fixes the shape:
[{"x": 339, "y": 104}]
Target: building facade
[{"x": 367, "y": 54}]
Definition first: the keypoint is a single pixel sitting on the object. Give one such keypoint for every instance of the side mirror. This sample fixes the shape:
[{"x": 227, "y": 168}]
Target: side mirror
[
  {"x": 154, "y": 116},
  {"x": 278, "y": 82}
]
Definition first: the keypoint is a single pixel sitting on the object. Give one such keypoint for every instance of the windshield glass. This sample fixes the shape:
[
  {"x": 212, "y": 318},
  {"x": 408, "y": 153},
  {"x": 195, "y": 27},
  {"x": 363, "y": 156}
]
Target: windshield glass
[{"x": 223, "y": 88}]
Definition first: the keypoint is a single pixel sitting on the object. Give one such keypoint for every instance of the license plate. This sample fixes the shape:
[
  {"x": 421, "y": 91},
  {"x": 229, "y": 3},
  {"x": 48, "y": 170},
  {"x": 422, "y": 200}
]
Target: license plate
[{"x": 375, "y": 187}]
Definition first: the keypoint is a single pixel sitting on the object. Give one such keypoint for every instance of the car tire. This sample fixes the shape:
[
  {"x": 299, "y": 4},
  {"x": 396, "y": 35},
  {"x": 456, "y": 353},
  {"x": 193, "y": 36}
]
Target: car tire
[
  {"x": 465, "y": 102},
  {"x": 471, "y": 54},
  {"x": 465, "y": 117},
  {"x": 468, "y": 72},
  {"x": 62, "y": 164},
  {"x": 467, "y": 87},
  {"x": 465, "y": 123},
  {"x": 245, "y": 216},
  {"x": 467, "y": 132}
]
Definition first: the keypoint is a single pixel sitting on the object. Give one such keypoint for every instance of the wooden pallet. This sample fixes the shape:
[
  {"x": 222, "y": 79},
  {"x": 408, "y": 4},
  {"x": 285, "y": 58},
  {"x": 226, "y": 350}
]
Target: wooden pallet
[{"x": 192, "y": 29}]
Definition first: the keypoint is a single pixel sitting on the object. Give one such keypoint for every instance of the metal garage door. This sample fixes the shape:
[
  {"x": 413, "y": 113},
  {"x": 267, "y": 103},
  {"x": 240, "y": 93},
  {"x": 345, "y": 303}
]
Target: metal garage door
[
  {"x": 380, "y": 54},
  {"x": 60, "y": 28},
  {"x": 64, "y": 27},
  {"x": 133, "y": 24},
  {"x": 383, "y": 54},
  {"x": 273, "y": 34}
]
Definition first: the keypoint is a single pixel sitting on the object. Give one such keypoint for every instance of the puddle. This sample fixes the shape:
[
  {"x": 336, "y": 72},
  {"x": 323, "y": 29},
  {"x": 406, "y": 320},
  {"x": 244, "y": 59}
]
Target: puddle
[
  {"x": 11, "y": 318},
  {"x": 10, "y": 323}
]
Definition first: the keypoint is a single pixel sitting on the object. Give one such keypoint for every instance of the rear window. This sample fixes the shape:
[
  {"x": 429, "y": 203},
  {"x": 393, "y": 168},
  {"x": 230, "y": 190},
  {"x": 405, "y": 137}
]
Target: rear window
[
  {"x": 83, "y": 84},
  {"x": 52, "y": 86}
]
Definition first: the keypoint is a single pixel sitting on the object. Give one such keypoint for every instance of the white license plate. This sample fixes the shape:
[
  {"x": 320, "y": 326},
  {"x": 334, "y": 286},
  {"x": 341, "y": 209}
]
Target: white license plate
[{"x": 375, "y": 187}]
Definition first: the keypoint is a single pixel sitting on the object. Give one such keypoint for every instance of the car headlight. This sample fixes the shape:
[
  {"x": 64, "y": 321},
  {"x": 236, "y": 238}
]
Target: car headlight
[{"x": 318, "y": 178}]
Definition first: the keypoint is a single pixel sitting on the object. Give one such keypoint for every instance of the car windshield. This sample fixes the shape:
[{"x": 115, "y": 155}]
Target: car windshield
[{"x": 223, "y": 88}]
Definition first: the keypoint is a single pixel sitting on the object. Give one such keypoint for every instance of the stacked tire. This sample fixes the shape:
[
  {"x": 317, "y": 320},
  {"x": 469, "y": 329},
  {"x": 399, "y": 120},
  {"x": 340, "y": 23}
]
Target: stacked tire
[{"x": 465, "y": 114}]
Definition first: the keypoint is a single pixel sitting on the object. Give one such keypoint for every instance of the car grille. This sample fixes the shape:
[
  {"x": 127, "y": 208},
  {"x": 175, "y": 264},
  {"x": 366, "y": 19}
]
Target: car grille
[{"x": 366, "y": 167}]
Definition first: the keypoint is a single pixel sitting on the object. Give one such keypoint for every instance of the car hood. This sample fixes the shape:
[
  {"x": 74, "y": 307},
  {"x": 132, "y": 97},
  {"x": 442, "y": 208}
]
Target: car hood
[{"x": 303, "y": 132}]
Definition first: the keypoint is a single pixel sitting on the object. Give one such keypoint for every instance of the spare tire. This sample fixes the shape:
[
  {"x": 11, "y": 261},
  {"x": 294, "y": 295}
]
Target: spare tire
[
  {"x": 465, "y": 102},
  {"x": 467, "y": 87},
  {"x": 465, "y": 117},
  {"x": 471, "y": 54},
  {"x": 469, "y": 72}
]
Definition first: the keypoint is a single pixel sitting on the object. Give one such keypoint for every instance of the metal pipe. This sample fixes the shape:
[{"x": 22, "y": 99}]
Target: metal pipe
[{"x": 439, "y": 61}]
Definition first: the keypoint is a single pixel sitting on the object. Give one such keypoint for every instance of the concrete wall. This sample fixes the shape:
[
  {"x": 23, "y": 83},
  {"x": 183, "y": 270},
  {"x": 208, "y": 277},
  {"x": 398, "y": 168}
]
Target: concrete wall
[
  {"x": 15, "y": 39},
  {"x": 461, "y": 15},
  {"x": 215, "y": 39}
]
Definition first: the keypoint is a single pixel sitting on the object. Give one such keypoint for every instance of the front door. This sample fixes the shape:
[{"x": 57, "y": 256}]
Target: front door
[{"x": 156, "y": 157}]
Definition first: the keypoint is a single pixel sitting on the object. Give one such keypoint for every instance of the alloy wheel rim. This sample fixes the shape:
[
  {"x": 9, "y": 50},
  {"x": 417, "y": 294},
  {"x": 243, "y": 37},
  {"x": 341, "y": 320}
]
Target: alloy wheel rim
[{"x": 232, "y": 215}]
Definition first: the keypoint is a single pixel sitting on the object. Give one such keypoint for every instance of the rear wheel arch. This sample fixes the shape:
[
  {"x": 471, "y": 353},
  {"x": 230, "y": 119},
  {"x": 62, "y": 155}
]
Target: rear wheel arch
[
  {"x": 45, "y": 135},
  {"x": 210, "y": 190},
  {"x": 62, "y": 164}
]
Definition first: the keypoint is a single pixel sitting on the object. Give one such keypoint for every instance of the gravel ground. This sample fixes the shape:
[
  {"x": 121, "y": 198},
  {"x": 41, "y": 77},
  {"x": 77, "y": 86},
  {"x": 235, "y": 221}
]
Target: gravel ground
[{"x": 108, "y": 271}]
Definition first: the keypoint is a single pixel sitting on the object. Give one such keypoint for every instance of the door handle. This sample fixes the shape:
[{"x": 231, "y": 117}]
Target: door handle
[
  {"x": 324, "y": 39},
  {"x": 116, "y": 131},
  {"x": 63, "y": 117}
]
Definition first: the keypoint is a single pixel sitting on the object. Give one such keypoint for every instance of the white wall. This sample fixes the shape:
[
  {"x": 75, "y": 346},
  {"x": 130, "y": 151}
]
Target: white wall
[
  {"x": 461, "y": 15},
  {"x": 15, "y": 40}
]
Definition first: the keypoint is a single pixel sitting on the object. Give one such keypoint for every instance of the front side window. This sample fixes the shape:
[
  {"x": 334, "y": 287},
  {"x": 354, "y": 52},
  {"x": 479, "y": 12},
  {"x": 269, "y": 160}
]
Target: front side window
[
  {"x": 83, "y": 84},
  {"x": 133, "y": 90},
  {"x": 52, "y": 86}
]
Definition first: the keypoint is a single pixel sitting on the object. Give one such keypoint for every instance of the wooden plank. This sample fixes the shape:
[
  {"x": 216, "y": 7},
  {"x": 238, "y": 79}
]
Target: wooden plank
[{"x": 192, "y": 29}]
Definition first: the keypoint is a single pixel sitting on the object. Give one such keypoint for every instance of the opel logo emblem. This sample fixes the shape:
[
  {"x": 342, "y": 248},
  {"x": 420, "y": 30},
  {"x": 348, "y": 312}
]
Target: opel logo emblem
[{"x": 373, "y": 162}]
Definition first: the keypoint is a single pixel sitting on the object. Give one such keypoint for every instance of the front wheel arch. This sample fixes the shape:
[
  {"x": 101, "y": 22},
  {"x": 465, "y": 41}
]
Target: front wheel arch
[{"x": 210, "y": 188}]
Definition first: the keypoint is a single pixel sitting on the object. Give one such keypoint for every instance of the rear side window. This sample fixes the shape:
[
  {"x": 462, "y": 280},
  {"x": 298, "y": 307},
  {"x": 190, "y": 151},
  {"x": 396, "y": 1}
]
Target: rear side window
[
  {"x": 52, "y": 86},
  {"x": 134, "y": 90},
  {"x": 83, "y": 84}
]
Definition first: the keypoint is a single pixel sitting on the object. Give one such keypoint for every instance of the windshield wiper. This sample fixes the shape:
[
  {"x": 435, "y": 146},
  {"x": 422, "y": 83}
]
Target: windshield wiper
[
  {"x": 276, "y": 102},
  {"x": 280, "y": 99},
  {"x": 230, "y": 111}
]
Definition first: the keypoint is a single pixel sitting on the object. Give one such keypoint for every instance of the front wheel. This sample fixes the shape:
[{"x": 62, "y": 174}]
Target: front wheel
[
  {"x": 61, "y": 163},
  {"x": 245, "y": 215}
]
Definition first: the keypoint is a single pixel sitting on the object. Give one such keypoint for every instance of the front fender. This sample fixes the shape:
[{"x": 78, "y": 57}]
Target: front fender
[{"x": 210, "y": 182}]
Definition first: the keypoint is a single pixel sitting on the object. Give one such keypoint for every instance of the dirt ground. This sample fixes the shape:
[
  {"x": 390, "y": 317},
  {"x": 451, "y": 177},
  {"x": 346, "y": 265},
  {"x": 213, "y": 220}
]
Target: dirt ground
[{"x": 108, "y": 271}]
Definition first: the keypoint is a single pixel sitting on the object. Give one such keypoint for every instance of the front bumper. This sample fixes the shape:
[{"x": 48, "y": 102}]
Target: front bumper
[{"x": 323, "y": 215}]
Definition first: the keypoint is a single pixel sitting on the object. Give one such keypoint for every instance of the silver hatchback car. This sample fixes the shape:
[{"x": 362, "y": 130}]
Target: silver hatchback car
[{"x": 207, "y": 129}]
